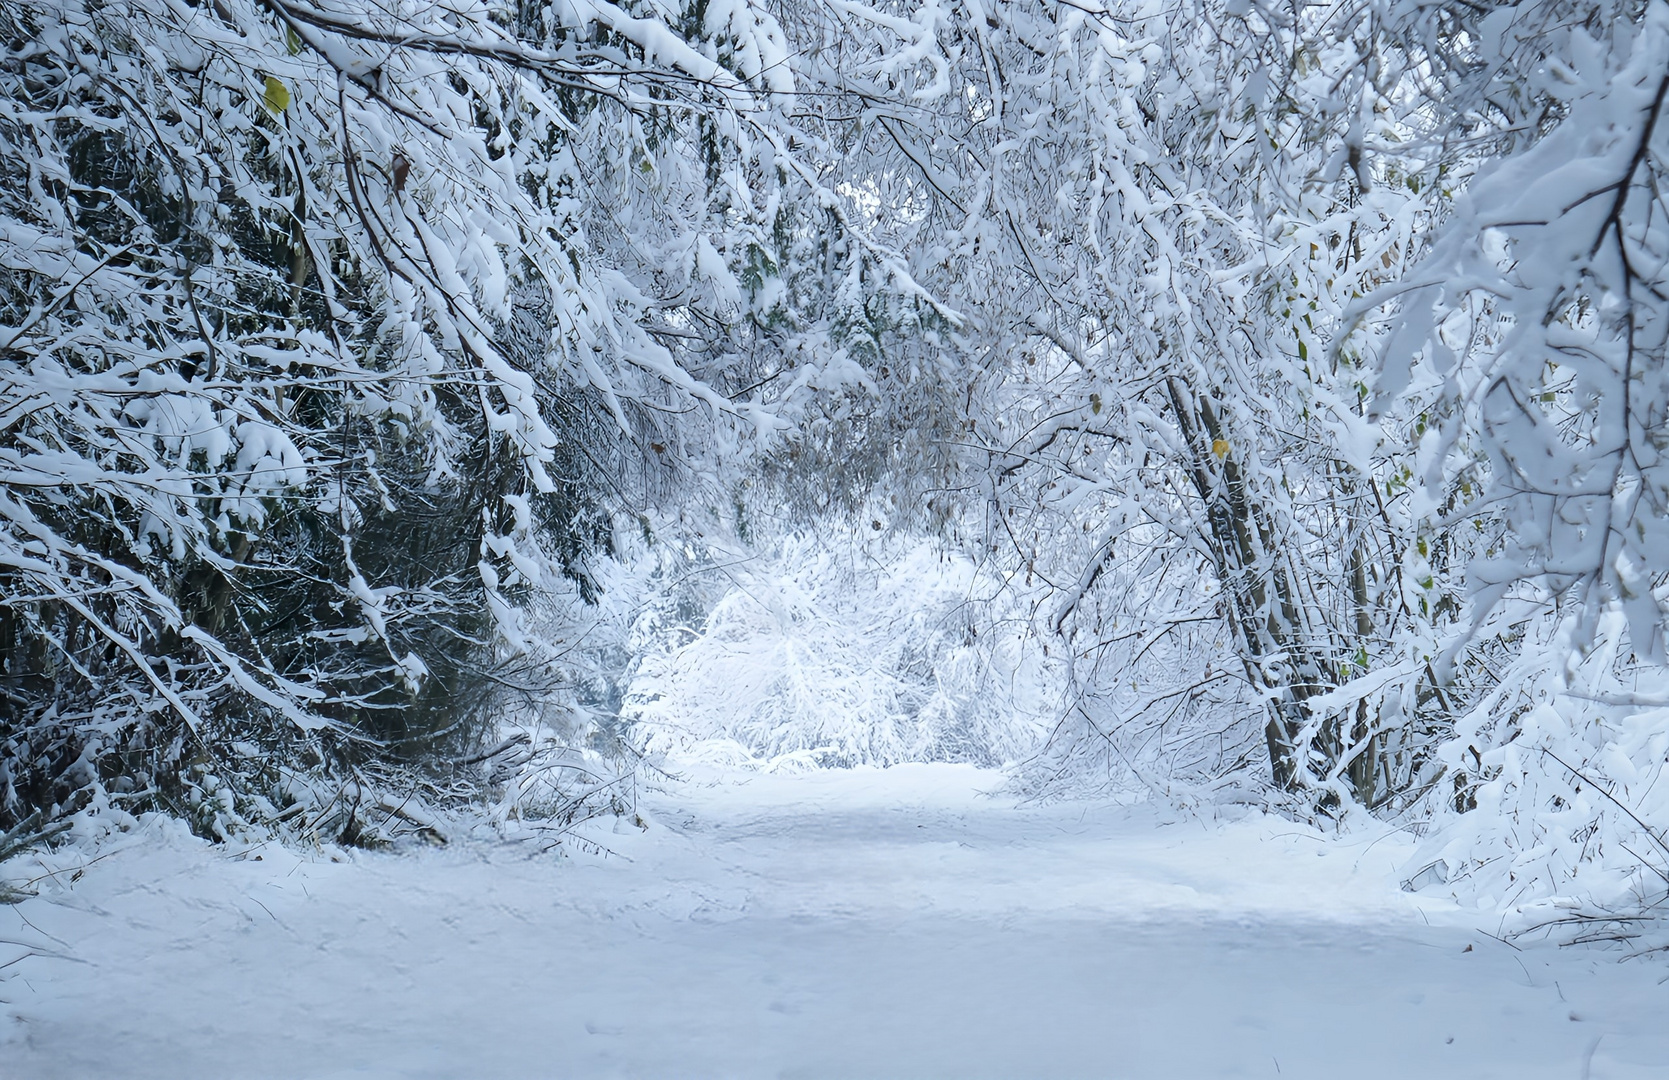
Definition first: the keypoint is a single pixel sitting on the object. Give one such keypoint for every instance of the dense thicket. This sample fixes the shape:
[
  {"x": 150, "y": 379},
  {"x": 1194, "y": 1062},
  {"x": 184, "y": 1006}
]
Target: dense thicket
[{"x": 332, "y": 337}]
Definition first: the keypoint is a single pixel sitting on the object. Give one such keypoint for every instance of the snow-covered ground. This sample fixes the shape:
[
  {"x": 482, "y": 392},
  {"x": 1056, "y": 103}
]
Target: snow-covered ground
[{"x": 864, "y": 923}]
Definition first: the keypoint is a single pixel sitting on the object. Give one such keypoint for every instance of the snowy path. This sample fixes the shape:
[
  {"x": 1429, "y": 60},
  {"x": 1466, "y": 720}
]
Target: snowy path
[{"x": 866, "y": 924}]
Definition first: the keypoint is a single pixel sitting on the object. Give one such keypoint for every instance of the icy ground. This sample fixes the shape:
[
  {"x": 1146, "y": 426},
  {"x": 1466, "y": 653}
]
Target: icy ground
[{"x": 840, "y": 924}]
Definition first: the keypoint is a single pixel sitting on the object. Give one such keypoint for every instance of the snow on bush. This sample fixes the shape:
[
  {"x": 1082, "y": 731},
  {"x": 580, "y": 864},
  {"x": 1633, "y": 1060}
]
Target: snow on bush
[
  {"x": 828, "y": 654},
  {"x": 1556, "y": 802}
]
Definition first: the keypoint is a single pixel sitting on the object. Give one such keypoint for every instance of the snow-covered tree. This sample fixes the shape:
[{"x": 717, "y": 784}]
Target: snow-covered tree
[
  {"x": 1534, "y": 335},
  {"x": 331, "y": 333},
  {"x": 1148, "y": 223}
]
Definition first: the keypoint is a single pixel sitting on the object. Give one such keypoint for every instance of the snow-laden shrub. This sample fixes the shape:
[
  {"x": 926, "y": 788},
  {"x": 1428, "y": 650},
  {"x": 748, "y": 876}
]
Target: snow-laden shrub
[
  {"x": 845, "y": 657},
  {"x": 1555, "y": 803}
]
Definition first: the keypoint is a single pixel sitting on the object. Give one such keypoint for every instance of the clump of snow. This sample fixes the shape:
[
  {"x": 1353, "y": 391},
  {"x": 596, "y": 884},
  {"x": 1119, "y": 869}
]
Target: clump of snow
[{"x": 753, "y": 39}]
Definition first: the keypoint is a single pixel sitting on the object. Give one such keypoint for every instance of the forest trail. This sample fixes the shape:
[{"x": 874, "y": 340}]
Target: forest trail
[{"x": 871, "y": 923}]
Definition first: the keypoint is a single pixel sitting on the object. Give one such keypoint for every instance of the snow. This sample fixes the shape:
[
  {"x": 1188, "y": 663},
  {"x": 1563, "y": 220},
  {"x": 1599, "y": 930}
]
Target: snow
[{"x": 866, "y": 922}]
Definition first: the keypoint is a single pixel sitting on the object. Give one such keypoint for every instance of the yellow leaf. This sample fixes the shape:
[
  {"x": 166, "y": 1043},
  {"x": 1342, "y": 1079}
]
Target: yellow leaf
[
  {"x": 1220, "y": 447},
  {"x": 277, "y": 96}
]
